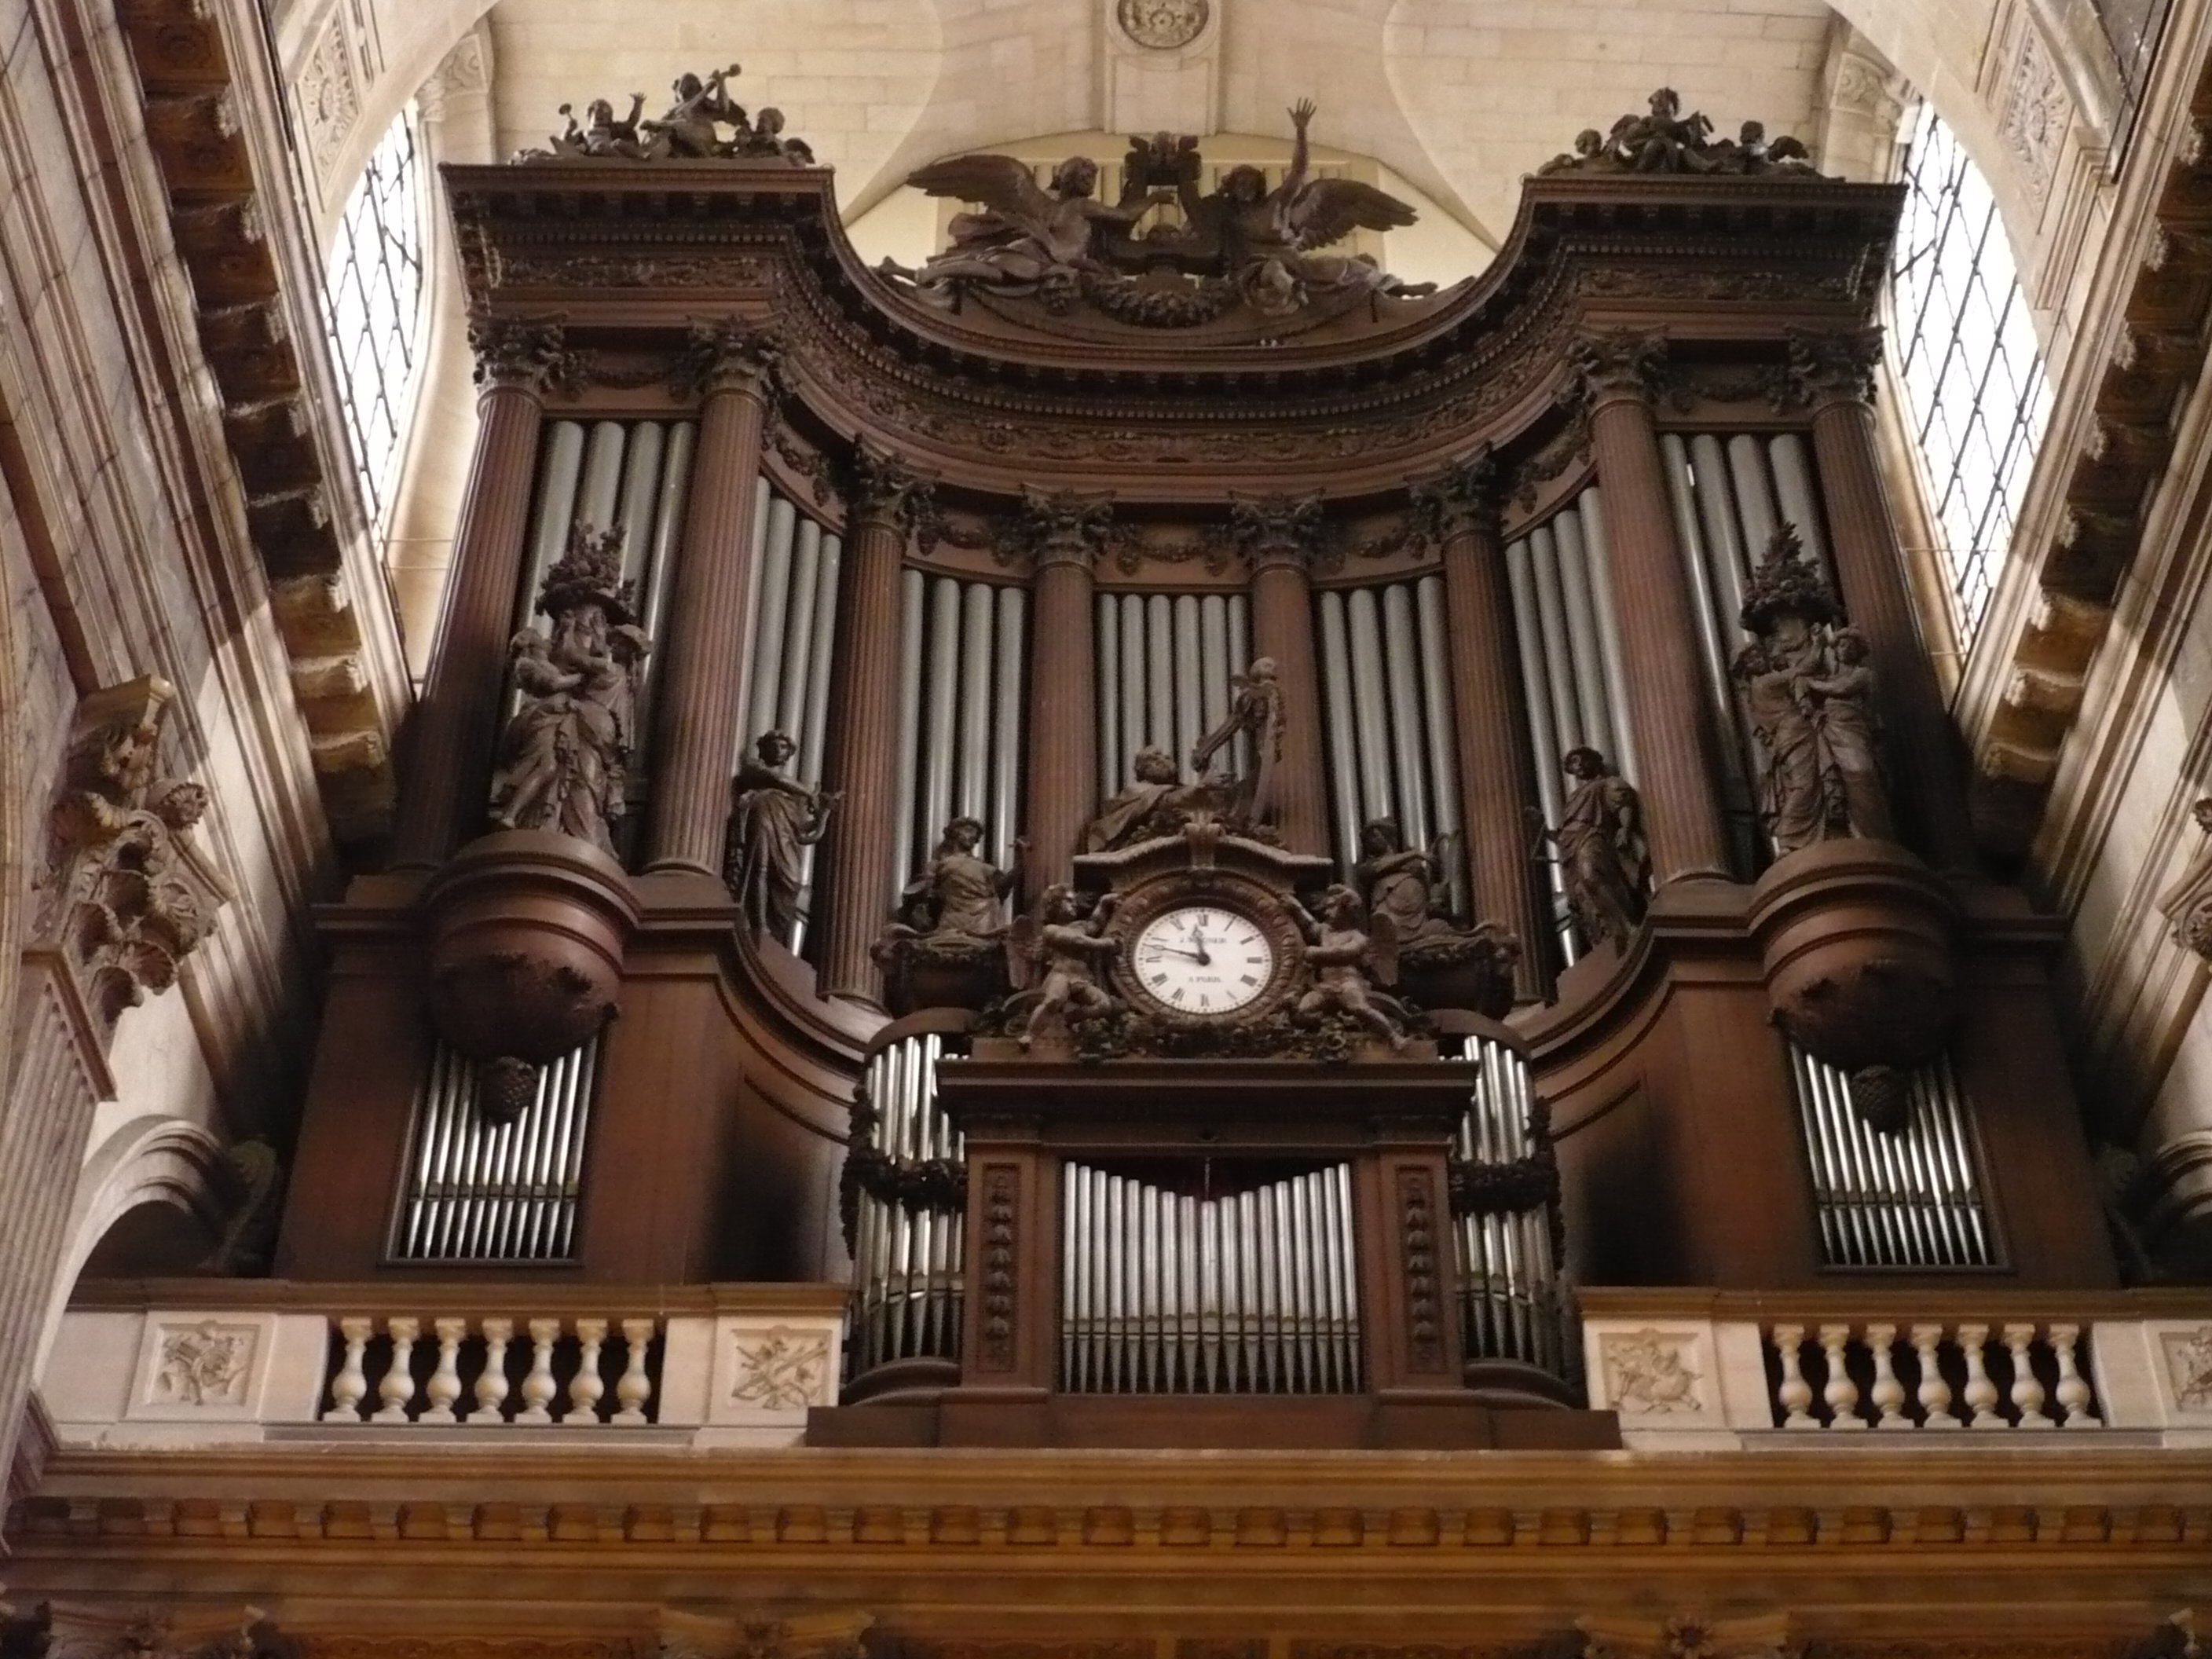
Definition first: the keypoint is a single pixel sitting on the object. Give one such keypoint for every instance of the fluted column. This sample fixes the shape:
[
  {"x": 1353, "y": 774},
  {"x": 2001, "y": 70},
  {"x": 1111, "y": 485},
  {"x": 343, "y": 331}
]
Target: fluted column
[
  {"x": 1063, "y": 533},
  {"x": 1490, "y": 725},
  {"x": 1836, "y": 373},
  {"x": 1615, "y": 374},
  {"x": 1279, "y": 534},
  {"x": 702, "y": 673},
  {"x": 885, "y": 497},
  {"x": 446, "y": 762}
]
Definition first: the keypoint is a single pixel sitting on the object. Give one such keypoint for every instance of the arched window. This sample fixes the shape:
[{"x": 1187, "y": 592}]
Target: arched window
[
  {"x": 373, "y": 294},
  {"x": 1975, "y": 396}
]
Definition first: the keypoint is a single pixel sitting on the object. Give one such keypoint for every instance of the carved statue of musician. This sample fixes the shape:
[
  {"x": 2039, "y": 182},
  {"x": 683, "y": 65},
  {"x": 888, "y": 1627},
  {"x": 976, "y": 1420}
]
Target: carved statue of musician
[
  {"x": 1060, "y": 951},
  {"x": 693, "y": 125},
  {"x": 1025, "y": 238},
  {"x": 1255, "y": 707},
  {"x": 1664, "y": 140},
  {"x": 1604, "y": 863},
  {"x": 774, "y": 819},
  {"x": 563, "y": 759},
  {"x": 945, "y": 948},
  {"x": 1352, "y": 955},
  {"x": 1444, "y": 964}
]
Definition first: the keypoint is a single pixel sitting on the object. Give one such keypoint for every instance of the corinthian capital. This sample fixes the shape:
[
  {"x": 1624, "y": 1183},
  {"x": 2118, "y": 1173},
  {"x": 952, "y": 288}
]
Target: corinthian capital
[
  {"x": 1607, "y": 364},
  {"x": 886, "y": 491},
  {"x": 523, "y": 354},
  {"x": 1830, "y": 366},
  {"x": 1274, "y": 530},
  {"x": 1462, "y": 497},
  {"x": 726, "y": 354},
  {"x": 1061, "y": 526}
]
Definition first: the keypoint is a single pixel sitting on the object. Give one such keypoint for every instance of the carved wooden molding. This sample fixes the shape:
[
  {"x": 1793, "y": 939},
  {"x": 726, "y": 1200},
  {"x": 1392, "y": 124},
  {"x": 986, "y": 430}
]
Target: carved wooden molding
[{"x": 1001, "y": 1277}]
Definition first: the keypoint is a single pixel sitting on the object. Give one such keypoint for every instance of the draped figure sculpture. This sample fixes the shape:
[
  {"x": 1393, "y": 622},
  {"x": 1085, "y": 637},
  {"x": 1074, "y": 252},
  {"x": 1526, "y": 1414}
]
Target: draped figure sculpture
[
  {"x": 1255, "y": 708},
  {"x": 943, "y": 948},
  {"x": 1604, "y": 863},
  {"x": 1444, "y": 963},
  {"x": 774, "y": 819}
]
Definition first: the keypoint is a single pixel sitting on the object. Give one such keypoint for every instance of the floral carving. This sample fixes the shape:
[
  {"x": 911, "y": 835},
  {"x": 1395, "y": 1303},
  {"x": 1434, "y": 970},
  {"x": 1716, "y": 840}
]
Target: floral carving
[
  {"x": 2189, "y": 1367},
  {"x": 202, "y": 1364},
  {"x": 2188, "y": 903},
  {"x": 1162, "y": 25},
  {"x": 1645, "y": 1372},
  {"x": 1606, "y": 364},
  {"x": 1059, "y": 526},
  {"x": 1460, "y": 499},
  {"x": 1831, "y": 366},
  {"x": 1417, "y": 1237},
  {"x": 127, "y": 896},
  {"x": 1275, "y": 530},
  {"x": 1002, "y": 1192},
  {"x": 726, "y": 354},
  {"x": 524, "y": 354},
  {"x": 779, "y": 1370}
]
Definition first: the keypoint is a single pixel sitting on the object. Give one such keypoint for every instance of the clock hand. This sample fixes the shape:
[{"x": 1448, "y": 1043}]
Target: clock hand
[
  {"x": 1198, "y": 941},
  {"x": 1195, "y": 956}
]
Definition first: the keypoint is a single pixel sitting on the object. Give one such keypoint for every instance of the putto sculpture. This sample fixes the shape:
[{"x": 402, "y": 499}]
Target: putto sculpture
[
  {"x": 1664, "y": 140},
  {"x": 704, "y": 123},
  {"x": 1352, "y": 955},
  {"x": 1809, "y": 696},
  {"x": 774, "y": 819},
  {"x": 1241, "y": 242},
  {"x": 946, "y": 946},
  {"x": 1604, "y": 863},
  {"x": 563, "y": 761},
  {"x": 1055, "y": 958}
]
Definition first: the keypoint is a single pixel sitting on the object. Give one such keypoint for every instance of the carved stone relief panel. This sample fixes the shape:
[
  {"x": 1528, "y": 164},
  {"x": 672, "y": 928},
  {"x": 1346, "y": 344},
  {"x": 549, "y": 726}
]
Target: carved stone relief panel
[
  {"x": 201, "y": 1367},
  {"x": 771, "y": 1370},
  {"x": 328, "y": 92},
  {"x": 2035, "y": 112}
]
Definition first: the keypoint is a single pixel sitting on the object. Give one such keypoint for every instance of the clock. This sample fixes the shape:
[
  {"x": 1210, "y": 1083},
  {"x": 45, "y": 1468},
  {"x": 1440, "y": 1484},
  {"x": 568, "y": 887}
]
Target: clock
[{"x": 1202, "y": 959}]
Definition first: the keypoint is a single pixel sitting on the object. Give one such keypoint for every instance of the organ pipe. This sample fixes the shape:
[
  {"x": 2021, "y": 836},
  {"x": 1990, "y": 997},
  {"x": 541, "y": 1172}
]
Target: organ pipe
[
  {"x": 1164, "y": 663},
  {"x": 1402, "y": 665},
  {"x": 1336, "y": 697},
  {"x": 1006, "y": 726}
]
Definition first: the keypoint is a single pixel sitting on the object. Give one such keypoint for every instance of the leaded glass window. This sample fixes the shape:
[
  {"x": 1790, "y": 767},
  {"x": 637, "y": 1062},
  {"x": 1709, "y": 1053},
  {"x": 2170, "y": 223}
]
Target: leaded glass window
[
  {"x": 373, "y": 304},
  {"x": 1975, "y": 395}
]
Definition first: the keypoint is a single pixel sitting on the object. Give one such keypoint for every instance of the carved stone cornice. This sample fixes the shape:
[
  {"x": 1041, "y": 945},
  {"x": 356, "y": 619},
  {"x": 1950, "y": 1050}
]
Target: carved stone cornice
[
  {"x": 1278, "y": 529},
  {"x": 885, "y": 490},
  {"x": 1061, "y": 526},
  {"x": 1829, "y": 366},
  {"x": 727, "y": 353},
  {"x": 1463, "y": 498},
  {"x": 1608, "y": 365},
  {"x": 125, "y": 895},
  {"x": 523, "y": 354}
]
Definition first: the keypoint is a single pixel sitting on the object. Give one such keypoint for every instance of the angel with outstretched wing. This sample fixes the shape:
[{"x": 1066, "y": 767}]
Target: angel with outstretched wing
[
  {"x": 1053, "y": 959},
  {"x": 1351, "y": 955},
  {"x": 1023, "y": 234}
]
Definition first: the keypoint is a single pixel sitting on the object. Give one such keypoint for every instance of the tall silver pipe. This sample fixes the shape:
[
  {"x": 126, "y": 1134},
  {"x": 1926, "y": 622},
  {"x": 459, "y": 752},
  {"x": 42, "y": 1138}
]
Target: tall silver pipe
[
  {"x": 599, "y": 497},
  {"x": 1370, "y": 712},
  {"x": 812, "y": 732},
  {"x": 1159, "y": 677},
  {"x": 978, "y": 649},
  {"x": 1240, "y": 659},
  {"x": 1006, "y": 723},
  {"x": 1213, "y": 659},
  {"x": 1559, "y": 646},
  {"x": 1343, "y": 739},
  {"x": 641, "y": 485},
  {"x": 750, "y": 628},
  {"x": 1109, "y": 611},
  {"x": 1716, "y": 637},
  {"x": 1402, "y": 663},
  {"x": 798, "y": 627},
  {"x": 1800, "y": 501},
  {"x": 559, "y": 465},
  {"x": 672, "y": 492},
  {"x": 1582, "y": 634},
  {"x": 1189, "y": 691},
  {"x": 1590, "y": 507},
  {"x": 1724, "y": 546},
  {"x": 1437, "y": 725},
  {"x": 1754, "y": 495},
  {"x": 764, "y": 627},
  {"x": 1134, "y": 733},
  {"x": 913, "y": 606},
  {"x": 943, "y": 710},
  {"x": 1536, "y": 676}
]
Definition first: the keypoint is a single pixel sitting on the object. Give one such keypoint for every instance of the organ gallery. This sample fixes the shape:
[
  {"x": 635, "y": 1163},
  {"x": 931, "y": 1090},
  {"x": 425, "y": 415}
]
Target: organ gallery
[{"x": 1134, "y": 940}]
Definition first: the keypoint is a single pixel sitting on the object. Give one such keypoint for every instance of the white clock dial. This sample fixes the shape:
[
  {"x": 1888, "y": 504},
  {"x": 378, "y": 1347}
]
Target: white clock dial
[{"x": 1202, "y": 959}]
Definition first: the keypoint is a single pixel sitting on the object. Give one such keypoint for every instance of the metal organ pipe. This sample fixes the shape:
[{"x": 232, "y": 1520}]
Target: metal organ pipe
[
  {"x": 1336, "y": 702},
  {"x": 1715, "y": 639},
  {"x": 938, "y": 757},
  {"x": 1133, "y": 735},
  {"x": 558, "y": 467},
  {"x": 1006, "y": 725},
  {"x": 1110, "y": 695},
  {"x": 599, "y": 493},
  {"x": 641, "y": 474},
  {"x": 973, "y": 781},
  {"x": 1793, "y": 487},
  {"x": 1164, "y": 664},
  {"x": 798, "y": 627},
  {"x": 1589, "y": 509},
  {"x": 813, "y": 724},
  {"x": 1755, "y": 495},
  {"x": 913, "y": 596},
  {"x": 1583, "y": 635},
  {"x": 1371, "y": 719},
  {"x": 764, "y": 627},
  {"x": 1213, "y": 659},
  {"x": 1724, "y": 546},
  {"x": 1402, "y": 665},
  {"x": 1437, "y": 711}
]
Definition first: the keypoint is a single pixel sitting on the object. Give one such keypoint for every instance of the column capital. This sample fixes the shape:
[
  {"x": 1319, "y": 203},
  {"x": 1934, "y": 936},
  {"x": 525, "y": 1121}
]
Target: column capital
[
  {"x": 1463, "y": 497},
  {"x": 1608, "y": 365},
  {"x": 1829, "y": 366},
  {"x": 1277, "y": 530},
  {"x": 523, "y": 354},
  {"x": 726, "y": 354},
  {"x": 886, "y": 491},
  {"x": 1061, "y": 526}
]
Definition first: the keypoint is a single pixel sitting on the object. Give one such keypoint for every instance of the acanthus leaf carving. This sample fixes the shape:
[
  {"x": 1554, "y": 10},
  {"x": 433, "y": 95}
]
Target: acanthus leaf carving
[
  {"x": 726, "y": 354},
  {"x": 1832, "y": 365},
  {"x": 526, "y": 353},
  {"x": 1281, "y": 529}
]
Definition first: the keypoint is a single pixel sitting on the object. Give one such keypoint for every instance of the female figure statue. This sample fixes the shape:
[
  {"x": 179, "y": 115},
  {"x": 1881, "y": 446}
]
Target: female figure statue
[
  {"x": 774, "y": 819},
  {"x": 1605, "y": 864},
  {"x": 1850, "y": 740},
  {"x": 1256, "y": 707}
]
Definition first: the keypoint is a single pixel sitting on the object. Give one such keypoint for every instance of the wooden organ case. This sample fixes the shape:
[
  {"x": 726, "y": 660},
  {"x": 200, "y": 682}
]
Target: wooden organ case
[{"x": 1524, "y": 673}]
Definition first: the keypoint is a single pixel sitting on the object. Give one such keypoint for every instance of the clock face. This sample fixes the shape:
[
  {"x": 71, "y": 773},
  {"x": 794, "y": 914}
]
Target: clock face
[{"x": 1202, "y": 959}]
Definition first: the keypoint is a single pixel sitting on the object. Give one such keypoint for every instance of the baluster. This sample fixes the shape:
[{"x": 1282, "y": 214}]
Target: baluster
[
  {"x": 1981, "y": 1393},
  {"x": 1935, "y": 1393},
  {"x": 584, "y": 1391},
  {"x": 397, "y": 1388},
  {"x": 491, "y": 1385},
  {"x": 634, "y": 1388},
  {"x": 1840, "y": 1392},
  {"x": 2027, "y": 1395},
  {"x": 1889, "y": 1394},
  {"x": 1795, "y": 1394},
  {"x": 445, "y": 1385},
  {"x": 350, "y": 1385},
  {"x": 2073, "y": 1387},
  {"x": 538, "y": 1388}
]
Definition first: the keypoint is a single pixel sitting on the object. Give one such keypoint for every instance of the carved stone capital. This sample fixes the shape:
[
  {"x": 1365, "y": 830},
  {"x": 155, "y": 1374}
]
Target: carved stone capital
[
  {"x": 1836, "y": 366},
  {"x": 1607, "y": 365},
  {"x": 1463, "y": 498},
  {"x": 1062, "y": 526},
  {"x": 886, "y": 491},
  {"x": 727, "y": 353},
  {"x": 125, "y": 895},
  {"x": 2188, "y": 903},
  {"x": 523, "y": 354},
  {"x": 1278, "y": 529}
]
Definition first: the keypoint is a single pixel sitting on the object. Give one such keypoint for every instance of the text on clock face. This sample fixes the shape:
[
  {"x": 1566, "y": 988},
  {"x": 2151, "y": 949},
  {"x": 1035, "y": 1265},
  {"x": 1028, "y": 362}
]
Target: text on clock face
[{"x": 1202, "y": 959}]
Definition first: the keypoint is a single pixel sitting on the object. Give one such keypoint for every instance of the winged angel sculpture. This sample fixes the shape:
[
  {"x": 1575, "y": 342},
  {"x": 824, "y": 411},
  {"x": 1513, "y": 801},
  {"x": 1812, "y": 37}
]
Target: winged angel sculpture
[{"x": 1240, "y": 240}]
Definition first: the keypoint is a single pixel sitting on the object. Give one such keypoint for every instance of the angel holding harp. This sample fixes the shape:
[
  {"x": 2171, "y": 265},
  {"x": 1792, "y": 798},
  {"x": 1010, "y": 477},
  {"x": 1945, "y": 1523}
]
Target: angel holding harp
[{"x": 1025, "y": 235}]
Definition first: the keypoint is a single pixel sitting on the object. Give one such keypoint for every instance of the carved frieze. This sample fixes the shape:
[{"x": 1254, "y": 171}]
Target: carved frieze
[
  {"x": 125, "y": 895},
  {"x": 779, "y": 1369},
  {"x": 1419, "y": 1225},
  {"x": 1000, "y": 1274},
  {"x": 1649, "y": 1371}
]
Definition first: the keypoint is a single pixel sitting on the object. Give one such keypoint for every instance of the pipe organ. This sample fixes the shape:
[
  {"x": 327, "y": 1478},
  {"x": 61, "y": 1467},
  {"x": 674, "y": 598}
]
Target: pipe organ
[{"x": 1152, "y": 1099}]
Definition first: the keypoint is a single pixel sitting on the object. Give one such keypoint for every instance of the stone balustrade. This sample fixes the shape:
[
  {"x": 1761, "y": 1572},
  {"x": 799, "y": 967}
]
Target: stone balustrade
[
  {"x": 250, "y": 1361},
  {"x": 1701, "y": 1370}
]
